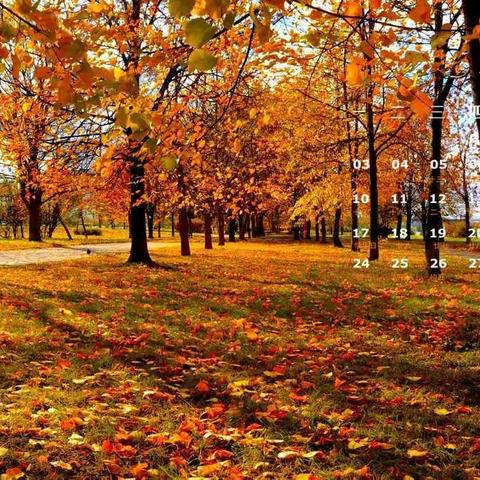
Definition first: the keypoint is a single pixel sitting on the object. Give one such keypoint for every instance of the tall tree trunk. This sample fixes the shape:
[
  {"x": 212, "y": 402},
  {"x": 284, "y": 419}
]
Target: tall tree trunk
[
  {"x": 183, "y": 228},
  {"x": 336, "y": 228},
  {"x": 138, "y": 228},
  {"x": 129, "y": 223},
  {"x": 221, "y": 226},
  {"x": 52, "y": 224},
  {"x": 139, "y": 246},
  {"x": 296, "y": 230},
  {"x": 467, "y": 218},
  {"x": 150, "y": 219},
  {"x": 317, "y": 229},
  {"x": 241, "y": 226},
  {"x": 32, "y": 198},
  {"x": 352, "y": 154},
  {"x": 423, "y": 218},
  {"x": 308, "y": 229},
  {"x": 374, "y": 253},
  {"x": 408, "y": 212},
  {"x": 35, "y": 218},
  {"x": 354, "y": 211},
  {"x": 208, "y": 231},
  {"x": 84, "y": 227},
  {"x": 434, "y": 213},
  {"x": 260, "y": 226},
  {"x": 232, "y": 226},
  {"x": 254, "y": 225},
  {"x": 173, "y": 224},
  {"x": 471, "y": 12},
  {"x": 323, "y": 229},
  {"x": 247, "y": 226},
  {"x": 399, "y": 222}
]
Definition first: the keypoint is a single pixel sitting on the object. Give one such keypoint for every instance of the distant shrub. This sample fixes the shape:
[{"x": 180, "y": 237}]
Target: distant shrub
[
  {"x": 91, "y": 232},
  {"x": 456, "y": 229}
]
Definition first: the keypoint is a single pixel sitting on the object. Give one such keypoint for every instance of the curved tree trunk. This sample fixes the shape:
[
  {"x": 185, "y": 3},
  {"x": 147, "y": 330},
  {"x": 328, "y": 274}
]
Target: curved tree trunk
[{"x": 65, "y": 227}]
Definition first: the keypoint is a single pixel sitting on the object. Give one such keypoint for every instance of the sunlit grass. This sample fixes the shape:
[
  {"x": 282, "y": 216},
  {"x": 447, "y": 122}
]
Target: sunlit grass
[{"x": 253, "y": 349}]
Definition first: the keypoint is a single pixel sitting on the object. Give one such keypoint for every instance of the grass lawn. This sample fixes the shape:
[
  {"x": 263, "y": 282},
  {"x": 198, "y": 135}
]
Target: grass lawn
[{"x": 261, "y": 360}]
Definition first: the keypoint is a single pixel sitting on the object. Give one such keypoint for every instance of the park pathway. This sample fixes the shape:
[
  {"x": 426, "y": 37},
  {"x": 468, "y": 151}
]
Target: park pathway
[{"x": 59, "y": 254}]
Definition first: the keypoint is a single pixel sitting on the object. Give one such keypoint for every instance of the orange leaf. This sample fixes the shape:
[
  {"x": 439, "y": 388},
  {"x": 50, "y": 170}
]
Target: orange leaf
[
  {"x": 276, "y": 3},
  {"x": 354, "y": 74},
  {"x": 13, "y": 474},
  {"x": 421, "y": 105},
  {"x": 353, "y": 8},
  {"x": 421, "y": 12},
  {"x": 205, "y": 470},
  {"x": 202, "y": 387},
  {"x": 107, "y": 446},
  {"x": 140, "y": 470}
]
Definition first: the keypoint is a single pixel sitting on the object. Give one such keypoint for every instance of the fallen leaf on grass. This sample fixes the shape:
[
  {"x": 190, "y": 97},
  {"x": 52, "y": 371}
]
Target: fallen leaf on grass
[
  {"x": 205, "y": 470},
  {"x": 355, "y": 444},
  {"x": 412, "y": 453},
  {"x": 61, "y": 465},
  {"x": 288, "y": 455},
  {"x": 12, "y": 474},
  {"x": 442, "y": 412}
]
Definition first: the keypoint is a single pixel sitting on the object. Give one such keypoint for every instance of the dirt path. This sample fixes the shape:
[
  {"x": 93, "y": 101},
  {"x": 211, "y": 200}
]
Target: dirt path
[{"x": 59, "y": 254}]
